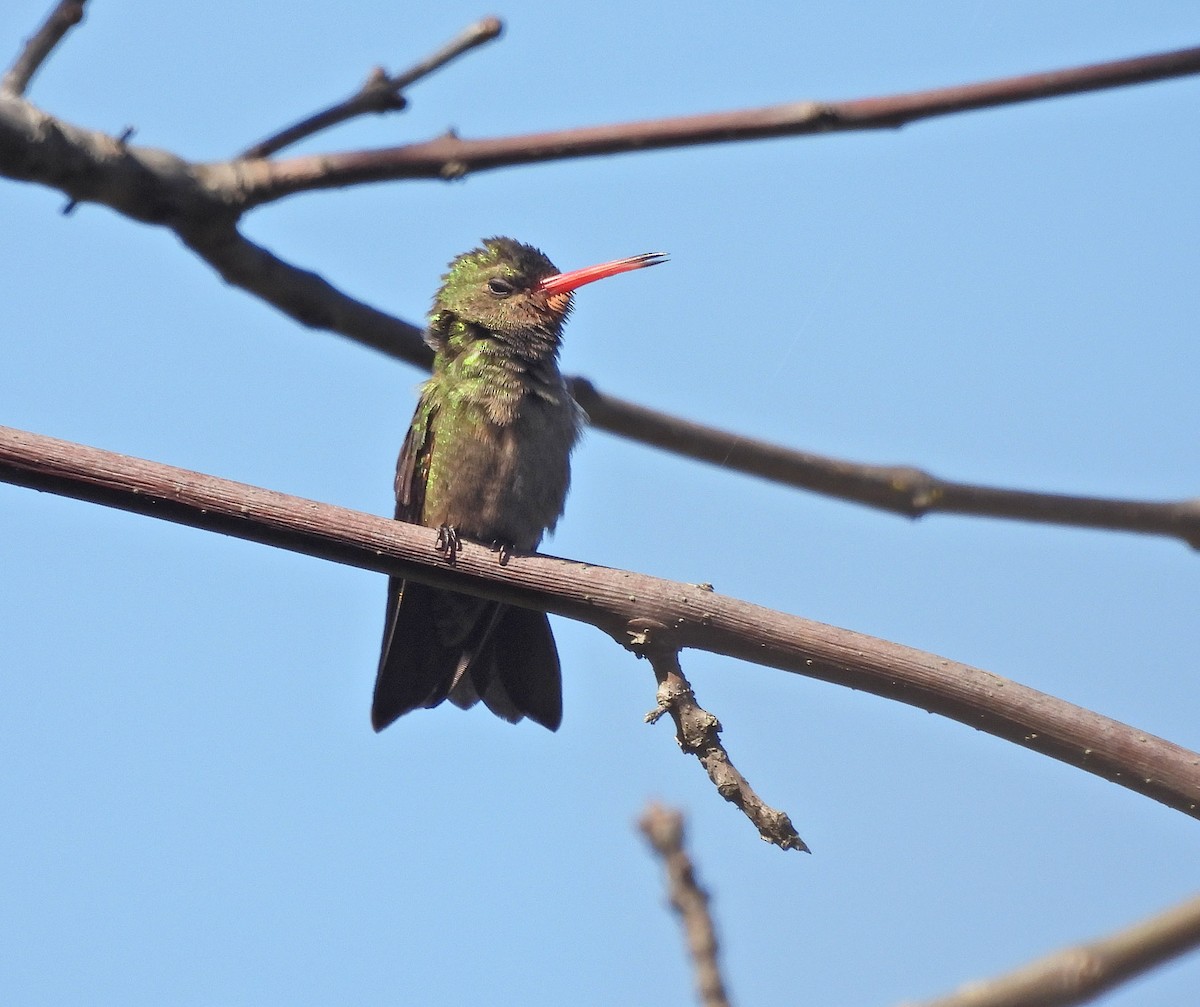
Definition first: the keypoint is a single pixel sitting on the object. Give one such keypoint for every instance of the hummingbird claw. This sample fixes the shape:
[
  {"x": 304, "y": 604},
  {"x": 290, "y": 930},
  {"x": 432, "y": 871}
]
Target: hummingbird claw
[
  {"x": 504, "y": 549},
  {"x": 448, "y": 543}
]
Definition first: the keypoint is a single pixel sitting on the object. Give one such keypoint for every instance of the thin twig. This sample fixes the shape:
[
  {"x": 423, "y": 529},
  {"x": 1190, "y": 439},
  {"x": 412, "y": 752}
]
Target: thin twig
[
  {"x": 900, "y": 489},
  {"x": 614, "y": 600},
  {"x": 379, "y": 93},
  {"x": 699, "y": 733},
  {"x": 40, "y": 44},
  {"x": 452, "y": 157},
  {"x": 663, "y": 827},
  {"x": 1079, "y": 974}
]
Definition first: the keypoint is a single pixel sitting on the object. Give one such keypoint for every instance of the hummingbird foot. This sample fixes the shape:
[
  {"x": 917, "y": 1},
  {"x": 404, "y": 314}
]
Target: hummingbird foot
[
  {"x": 503, "y": 549},
  {"x": 448, "y": 543}
]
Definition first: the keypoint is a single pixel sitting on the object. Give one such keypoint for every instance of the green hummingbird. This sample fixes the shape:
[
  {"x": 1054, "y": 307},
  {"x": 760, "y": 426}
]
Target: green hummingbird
[{"x": 487, "y": 457}]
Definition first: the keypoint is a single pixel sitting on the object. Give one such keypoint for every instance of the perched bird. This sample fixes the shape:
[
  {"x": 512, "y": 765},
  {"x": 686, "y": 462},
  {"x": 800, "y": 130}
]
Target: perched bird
[{"x": 487, "y": 457}]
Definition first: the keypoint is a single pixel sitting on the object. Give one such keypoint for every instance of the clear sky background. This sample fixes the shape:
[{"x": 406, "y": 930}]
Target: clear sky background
[{"x": 195, "y": 808}]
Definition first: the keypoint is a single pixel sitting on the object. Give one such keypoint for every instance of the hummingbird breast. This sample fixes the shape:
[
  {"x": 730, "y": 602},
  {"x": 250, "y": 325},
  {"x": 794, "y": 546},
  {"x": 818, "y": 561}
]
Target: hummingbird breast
[{"x": 499, "y": 469}]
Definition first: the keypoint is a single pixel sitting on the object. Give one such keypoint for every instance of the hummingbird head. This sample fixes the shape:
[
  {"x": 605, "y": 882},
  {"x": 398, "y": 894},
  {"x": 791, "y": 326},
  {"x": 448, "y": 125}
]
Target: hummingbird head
[{"x": 511, "y": 293}]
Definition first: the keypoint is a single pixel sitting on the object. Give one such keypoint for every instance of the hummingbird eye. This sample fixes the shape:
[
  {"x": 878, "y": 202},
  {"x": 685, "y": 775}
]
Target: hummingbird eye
[{"x": 500, "y": 286}]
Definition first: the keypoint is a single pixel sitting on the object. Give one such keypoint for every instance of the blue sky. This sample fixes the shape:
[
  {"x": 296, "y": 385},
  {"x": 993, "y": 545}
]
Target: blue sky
[{"x": 197, "y": 811}]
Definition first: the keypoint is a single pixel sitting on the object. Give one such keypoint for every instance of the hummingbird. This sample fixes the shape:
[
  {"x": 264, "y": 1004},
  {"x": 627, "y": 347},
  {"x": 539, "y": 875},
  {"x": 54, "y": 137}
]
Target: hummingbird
[{"x": 487, "y": 457}]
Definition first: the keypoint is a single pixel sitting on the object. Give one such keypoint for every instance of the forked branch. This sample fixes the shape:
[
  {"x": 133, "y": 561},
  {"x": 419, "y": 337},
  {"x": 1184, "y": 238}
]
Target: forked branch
[
  {"x": 65, "y": 16},
  {"x": 451, "y": 156},
  {"x": 380, "y": 92},
  {"x": 202, "y": 204}
]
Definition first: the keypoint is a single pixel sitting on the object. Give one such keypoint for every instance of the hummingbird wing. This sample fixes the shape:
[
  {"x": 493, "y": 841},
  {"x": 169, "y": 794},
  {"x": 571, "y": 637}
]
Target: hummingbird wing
[
  {"x": 412, "y": 467},
  {"x": 430, "y": 636},
  {"x": 439, "y": 644}
]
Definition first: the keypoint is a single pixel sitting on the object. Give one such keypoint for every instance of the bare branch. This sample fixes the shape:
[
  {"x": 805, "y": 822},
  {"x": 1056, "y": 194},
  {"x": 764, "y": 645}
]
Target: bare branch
[
  {"x": 38, "y": 46},
  {"x": 201, "y": 204},
  {"x": 143, "y": 183},
  {"x": 1079, "y": 974},
  {"x": 158, "y": 187},
  {"x": 900, "y": 489},
  {"x": 617, "y": 601},
  {"x": 699, "y": 733},
  {"x": 450, "y": 156},
  {"x": 379, "y": 93},
  {"x": 301, "y": 294},
  {"x": 663, "y": 827}
]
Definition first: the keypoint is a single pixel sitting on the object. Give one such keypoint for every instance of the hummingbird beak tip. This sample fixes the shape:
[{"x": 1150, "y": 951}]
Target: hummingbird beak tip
[{"x": 564, "y": 282}]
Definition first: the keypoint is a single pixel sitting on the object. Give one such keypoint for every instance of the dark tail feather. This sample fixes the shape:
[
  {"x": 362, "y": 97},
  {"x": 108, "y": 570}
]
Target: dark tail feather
[
  {"x": 429, "y": 637},
  {"x": 439, "y": 645},
  {"x": 525, "y": 666},
  {"x": 407, "y": 674}
]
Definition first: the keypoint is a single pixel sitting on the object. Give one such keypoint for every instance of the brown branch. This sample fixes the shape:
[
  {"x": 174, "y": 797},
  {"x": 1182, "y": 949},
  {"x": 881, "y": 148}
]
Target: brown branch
[
  {"x": 450, "y": 156},
  {"x": 202, "y": 202},
  {"x": 302, "y": 295},
  {"x": 693, "y": 616},
  {"x": 699, "y": 733},
  {"x": 143, "y": 183},
  {"x": 900, "y": 489},
  {"x": 663, "y": 828},
  {"x": 199, "y": 202},
  {"x": 380, "y": 92},
  {"x": 40, "y": 44},
  {"x": 1079, "y": 974}
]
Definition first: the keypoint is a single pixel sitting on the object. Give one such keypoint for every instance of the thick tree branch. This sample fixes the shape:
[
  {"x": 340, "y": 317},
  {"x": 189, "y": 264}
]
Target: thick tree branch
[
  {"x": 143, "y": 183},
  {"x": 40, "y": 44},
  {"x": 618, "y": 601},
  {"x": 451, "y": 156},
  {"x": 699, "y": 733},
  {"x": 380, "y": 92},
  {"x": 663, "y": 829},
  {"x": 1079, "y": 974}
]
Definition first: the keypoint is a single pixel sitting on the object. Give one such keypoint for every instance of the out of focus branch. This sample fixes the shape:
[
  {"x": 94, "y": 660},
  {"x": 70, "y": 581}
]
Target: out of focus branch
[
  {"x": 1079, "y": 974},
  {"x": 620, "y": 603},
  {"x": 663, "y": 829},
  {"x": 40, "y": 44}
]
